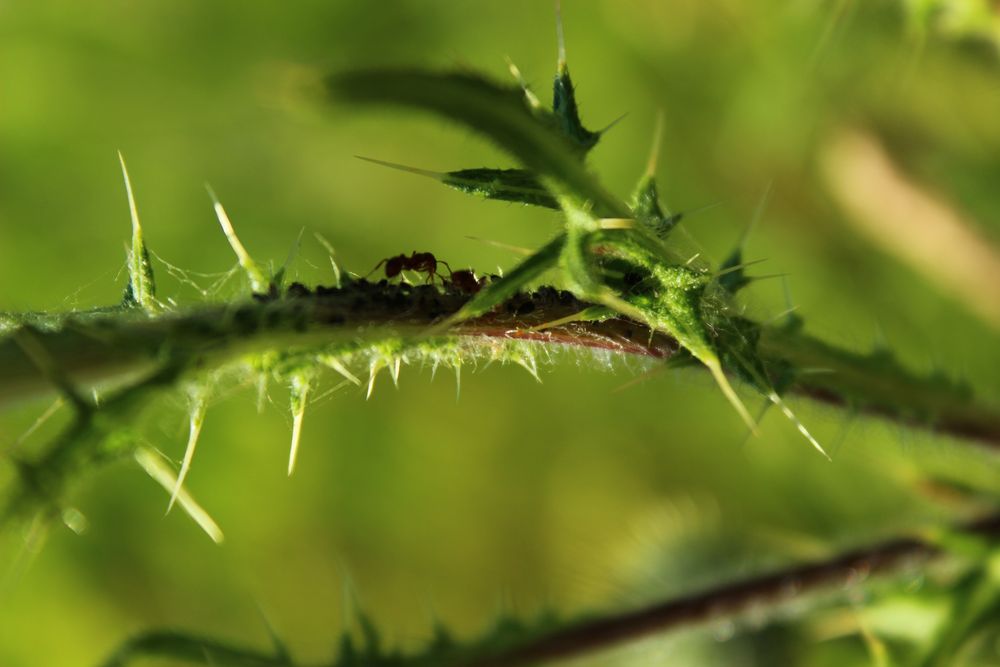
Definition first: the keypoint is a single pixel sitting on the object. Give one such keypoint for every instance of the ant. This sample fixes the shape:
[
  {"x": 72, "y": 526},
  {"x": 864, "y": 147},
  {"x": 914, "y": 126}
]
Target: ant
[
  {"x": 420, "y": 262},
  {"x": 464, "y": 280}
]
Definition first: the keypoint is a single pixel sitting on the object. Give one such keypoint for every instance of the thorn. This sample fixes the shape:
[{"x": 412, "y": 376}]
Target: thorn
[
  {"x": 594, "y": 313},
  {"x": 616, "y": 223},
  {"x": 140, "y": 273},
  {"x": 757, "y": 214},
  {"x": 529, "y": 96},
  {"x": 528, "y": 363},
  {"x": 44, "y": 417},
  {"x": 258, "y": 283},
  {"x": 197, "y": 416},
  {"x": 560, "y": 37},
  {"x": 132, "y": 208},
  {"x": 458, "y": 380},
  {"x": 790, "y": 306},
  {"x": 335, "y": 364},
  {"x": 639, "y": 379},
  {"x": 727, "y": 390},
  {"x": 503, "y": 246},
  {"x": 33, "y": 348},
  {"x": 700, "y": 209},
  {"x": 654, "y": 151},
  {"x": 613, "y": 123},
  {"x": 760, "y": 417},
  {"x": 782, "y": 314},
  {"x": 373, "y": 370},
  {"x": 394, "y": 371},
  {"x": 333, "y": 263},
  {"x": 156, "y": 468},
  {"x": 623, "y": 307},
  {"x": 300, "y": 393},
  {"x": 740, "y": 267},
  {"x": 292, "y": 253},
  {"x": 436, "y": 175},
  {"x": 767, "y": 276},
  {"x": 434, "y": 368},
  {"x": 261, "y": 392},
  {"x": 776, "y": 399}
]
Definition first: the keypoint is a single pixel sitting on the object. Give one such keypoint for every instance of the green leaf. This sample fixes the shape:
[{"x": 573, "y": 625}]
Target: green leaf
[
  {"x": 514, "y": 185},
  {"x": 564, "y": 108},
  {"x": 647, "y": 209},
  {"x": 495, "y": 111}
]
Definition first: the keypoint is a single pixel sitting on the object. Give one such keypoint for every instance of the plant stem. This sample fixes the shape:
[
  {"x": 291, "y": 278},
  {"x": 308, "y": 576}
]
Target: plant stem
[
  {"x": 100, "y": 347},
  {"x": 768, "y": 591}
]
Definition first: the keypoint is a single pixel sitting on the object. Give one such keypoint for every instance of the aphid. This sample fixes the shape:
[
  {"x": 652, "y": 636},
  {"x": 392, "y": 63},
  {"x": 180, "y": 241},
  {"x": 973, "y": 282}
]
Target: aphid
[
  {"x": 420, "y": 262},
  {"x": 464, "y": 280}
]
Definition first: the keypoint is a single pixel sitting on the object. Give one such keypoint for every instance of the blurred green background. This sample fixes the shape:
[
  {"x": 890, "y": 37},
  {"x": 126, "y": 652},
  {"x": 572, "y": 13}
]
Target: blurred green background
[{"x": 519, "y": 496}]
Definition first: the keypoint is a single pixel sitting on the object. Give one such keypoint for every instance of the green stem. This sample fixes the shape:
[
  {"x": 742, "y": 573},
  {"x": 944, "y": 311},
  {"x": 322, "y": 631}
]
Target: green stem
[{"x": 105, "y": 347}]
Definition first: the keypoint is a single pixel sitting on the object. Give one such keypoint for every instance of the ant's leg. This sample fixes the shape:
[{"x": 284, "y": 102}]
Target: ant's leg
[
  {"x": 447, "y": 266},
  {"x": 377, "y": 267}
]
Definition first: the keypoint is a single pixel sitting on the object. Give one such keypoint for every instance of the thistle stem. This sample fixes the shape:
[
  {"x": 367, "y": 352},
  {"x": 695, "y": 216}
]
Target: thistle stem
[{"x": 100, "y": 347}]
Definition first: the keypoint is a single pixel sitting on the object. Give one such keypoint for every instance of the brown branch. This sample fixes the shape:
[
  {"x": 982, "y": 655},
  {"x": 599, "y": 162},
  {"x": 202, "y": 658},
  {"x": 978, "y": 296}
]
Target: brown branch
[{"x": 770, "y": 591}]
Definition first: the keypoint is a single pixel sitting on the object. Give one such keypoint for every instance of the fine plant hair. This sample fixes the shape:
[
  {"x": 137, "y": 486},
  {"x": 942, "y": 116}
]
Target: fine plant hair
[{"x": 621, "y": 291}]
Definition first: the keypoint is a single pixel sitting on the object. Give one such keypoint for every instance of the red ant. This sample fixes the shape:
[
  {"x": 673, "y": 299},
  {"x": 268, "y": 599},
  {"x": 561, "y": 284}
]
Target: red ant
[
  {"x": 420, "y": 262},
  {"x": 464, "y": 280}
]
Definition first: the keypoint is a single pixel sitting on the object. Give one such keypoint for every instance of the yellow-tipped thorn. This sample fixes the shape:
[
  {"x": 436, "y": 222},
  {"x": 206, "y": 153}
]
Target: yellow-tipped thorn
[
  {"x": 138, "y": 268},
  {"x": 560, "y": 37},
  {"x": 529, "y": 96},
  {"x": 436, "y": 175},
  {"x": 520, "y": 250},
  {"x": 335, "y": 364},
  {"x": 194, "y": 431},
  {"x": 156, "y": 468},
  {"x": 261, "y": 392},
  {"x": 258, "y": 282},
  {"x": 591, "y": 314},
  {"x": 774, "y": 398},
  {"x": 654, "y": 151},
  {"x": 623, "y": 307},
  {"x": 132, "y": 208},
  {"x": 529, "y": 364},
  {"x": 727, "y": 390},
  {"x": 300, "y": 394},
  {"x": 293, "y": 451},
  {"x": 394, "y": 371},
  {"x": 333, "y": 262},
  {"x": 616, "y": 223},
  {"x": 373, "y": 370}
]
